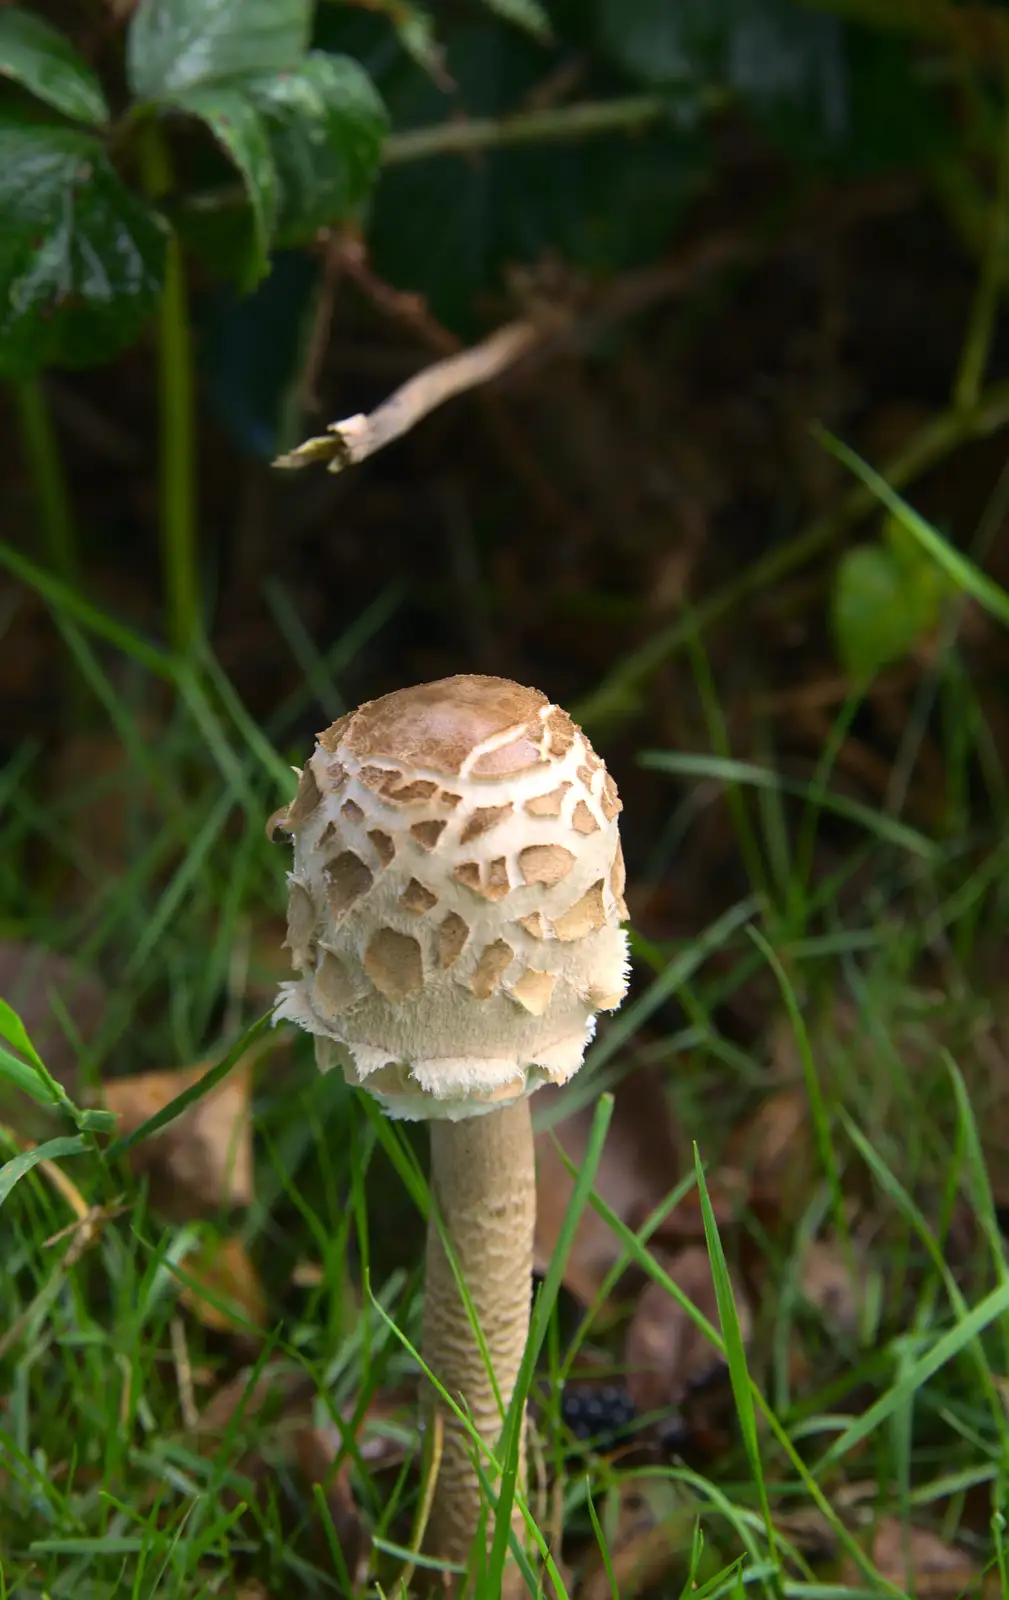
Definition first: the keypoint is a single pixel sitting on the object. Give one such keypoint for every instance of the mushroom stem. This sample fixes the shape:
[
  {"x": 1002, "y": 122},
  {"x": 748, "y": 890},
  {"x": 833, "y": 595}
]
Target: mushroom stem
[{"x": 484, "y": 1183}]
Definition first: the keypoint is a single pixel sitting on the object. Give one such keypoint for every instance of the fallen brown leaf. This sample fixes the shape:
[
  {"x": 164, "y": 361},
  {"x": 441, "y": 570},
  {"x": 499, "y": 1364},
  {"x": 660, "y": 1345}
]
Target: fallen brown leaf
[
  {"x": 295, "y": 1450},
  {"x": 917, "y": 1560},
  {"x": 220, "y": 1276},
  {"x": 666, "y": 1354},
  {"x": 649, "y": 1542},
  {"x": 832, "y": 1278},
  {"x": 316, "y": 1450},
  {"x": 202, "y": 1162},
  {"x": 774, "y": 1153}
]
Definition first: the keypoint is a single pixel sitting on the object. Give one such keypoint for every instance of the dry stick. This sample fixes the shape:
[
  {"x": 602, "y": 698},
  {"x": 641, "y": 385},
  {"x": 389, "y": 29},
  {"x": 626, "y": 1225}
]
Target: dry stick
[{"x": 353, "y": 440}]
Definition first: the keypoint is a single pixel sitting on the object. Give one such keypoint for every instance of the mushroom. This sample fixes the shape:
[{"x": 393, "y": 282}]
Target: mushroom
[{"x": 454, "y": 918}]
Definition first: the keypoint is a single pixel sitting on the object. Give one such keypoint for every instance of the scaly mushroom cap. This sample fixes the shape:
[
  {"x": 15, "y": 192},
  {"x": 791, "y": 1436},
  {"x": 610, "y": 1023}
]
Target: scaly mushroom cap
[{"x": 456, "y": 896}]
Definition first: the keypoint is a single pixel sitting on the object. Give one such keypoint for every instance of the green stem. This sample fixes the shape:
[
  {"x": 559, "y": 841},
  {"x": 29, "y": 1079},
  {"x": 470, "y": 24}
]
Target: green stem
[
  {"x": 177, "y": 385},
  {"x": 525, "y": 127},
  {"x": 984, "y": 310},
  {"x": 49, "y": 484}
]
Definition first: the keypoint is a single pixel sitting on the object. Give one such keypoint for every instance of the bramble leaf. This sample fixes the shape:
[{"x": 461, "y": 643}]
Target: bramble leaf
[
  {"x": 36, "y": 55},
  {"x": 81, "y": 258},
  {"x": 177, "y": 44},
  {"x": 326, "y": 123},
  {"x": 233, "y": 119}
]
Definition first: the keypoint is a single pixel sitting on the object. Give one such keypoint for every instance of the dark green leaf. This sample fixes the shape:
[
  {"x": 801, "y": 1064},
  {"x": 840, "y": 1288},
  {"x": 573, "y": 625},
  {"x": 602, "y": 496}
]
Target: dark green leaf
[
  {"x": 13, "y": 1171},
  {"x": 233, "y": 119},
  {"x": 652, "y": 39},
  {"x": 445, "y": 227},
  {"x": 36, "y": 55},
  {"x": 774, "y": 54},
  {"x": 81, "y": 258},
  {"x": 177, "y": 44},
  {"x": 882, "y": 607},
  {"x": 326, "y": 124}
]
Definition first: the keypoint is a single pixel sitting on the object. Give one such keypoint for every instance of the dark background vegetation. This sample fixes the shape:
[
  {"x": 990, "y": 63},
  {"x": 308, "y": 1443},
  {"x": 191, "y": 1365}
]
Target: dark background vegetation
[{"x": 744, "y": 217}]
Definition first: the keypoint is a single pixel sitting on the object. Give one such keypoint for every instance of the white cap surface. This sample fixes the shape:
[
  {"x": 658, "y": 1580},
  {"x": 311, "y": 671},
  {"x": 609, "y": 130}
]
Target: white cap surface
[{"x": 456, "y": 897}]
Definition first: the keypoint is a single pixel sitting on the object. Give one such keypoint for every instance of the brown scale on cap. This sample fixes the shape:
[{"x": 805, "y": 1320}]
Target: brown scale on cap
[
  {"x": 347, "y": 879},
  {"x": 305, "y": 801},
  {"x": 301, "y": 921},
  {"x": 417, "y": 898},
  {"x": 436, "y": 726},
  {"x": 384, "y": 847},
  {"x": 452, "y": 935},
  {"x": 494, "y": 961},
  {"x": 483, "y": 819},
  {"x": 545, "y": 863},
  {"x": 427, "y": 834},
  {"x": 334, "y": 988},
  {"x": 549, "y": 804},
  {"x": 394, "y": 964},
  {"x": 403, "y": 793},
  {"x": 584, "y": 917},
  {"x": 582, "y": 819}
]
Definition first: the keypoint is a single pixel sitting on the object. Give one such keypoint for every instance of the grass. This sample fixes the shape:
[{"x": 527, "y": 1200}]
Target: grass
[{"x": 111, "y": 1481}]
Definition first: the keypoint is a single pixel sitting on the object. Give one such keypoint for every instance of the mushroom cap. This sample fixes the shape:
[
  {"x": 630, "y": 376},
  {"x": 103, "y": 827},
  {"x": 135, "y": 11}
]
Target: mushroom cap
[{"x": 456, "y": 897}]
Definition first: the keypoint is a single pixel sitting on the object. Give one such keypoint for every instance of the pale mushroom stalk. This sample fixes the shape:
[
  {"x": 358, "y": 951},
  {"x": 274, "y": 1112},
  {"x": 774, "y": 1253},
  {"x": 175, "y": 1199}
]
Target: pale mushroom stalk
[
  {"x": 454, "y": 918},
  {"x": 484, "y": 1184}
]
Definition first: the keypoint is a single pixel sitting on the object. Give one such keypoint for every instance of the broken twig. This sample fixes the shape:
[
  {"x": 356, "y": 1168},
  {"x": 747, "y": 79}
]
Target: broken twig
[{"x": 346, "y": 443}]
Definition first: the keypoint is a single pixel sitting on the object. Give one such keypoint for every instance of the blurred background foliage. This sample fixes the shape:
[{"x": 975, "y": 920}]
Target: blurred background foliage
[{"x": 220, "y": 231}]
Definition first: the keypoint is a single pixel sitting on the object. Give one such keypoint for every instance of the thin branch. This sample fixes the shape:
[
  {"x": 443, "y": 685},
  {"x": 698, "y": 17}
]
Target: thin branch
[
  {"x": 355, "y": 438},
  {"x": 529, "y": 127}
]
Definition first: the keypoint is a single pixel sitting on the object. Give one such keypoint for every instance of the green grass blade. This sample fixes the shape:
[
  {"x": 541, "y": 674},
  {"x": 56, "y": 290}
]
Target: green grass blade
[
  {"x": 53, "y": 1150},
  {"x": 735, "y": 1355},
  {"x": 195, "y": 1092},
  {"x": 918, "y": 1373},
  {"x": 687, "y": 764},
  {"x": 957, "y": 566}
]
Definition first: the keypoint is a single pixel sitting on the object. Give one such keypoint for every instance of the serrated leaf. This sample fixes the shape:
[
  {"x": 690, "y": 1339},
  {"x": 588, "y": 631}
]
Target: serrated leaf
[
  {"x": 881, "y": 610},
  {"x": 81, "y": 258},
  {"x": 326, "y": 123},
  {"x": 178, "y": 44},
  {"x": 236, "y": 124},
  {"x": 39, "y": 57}
]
